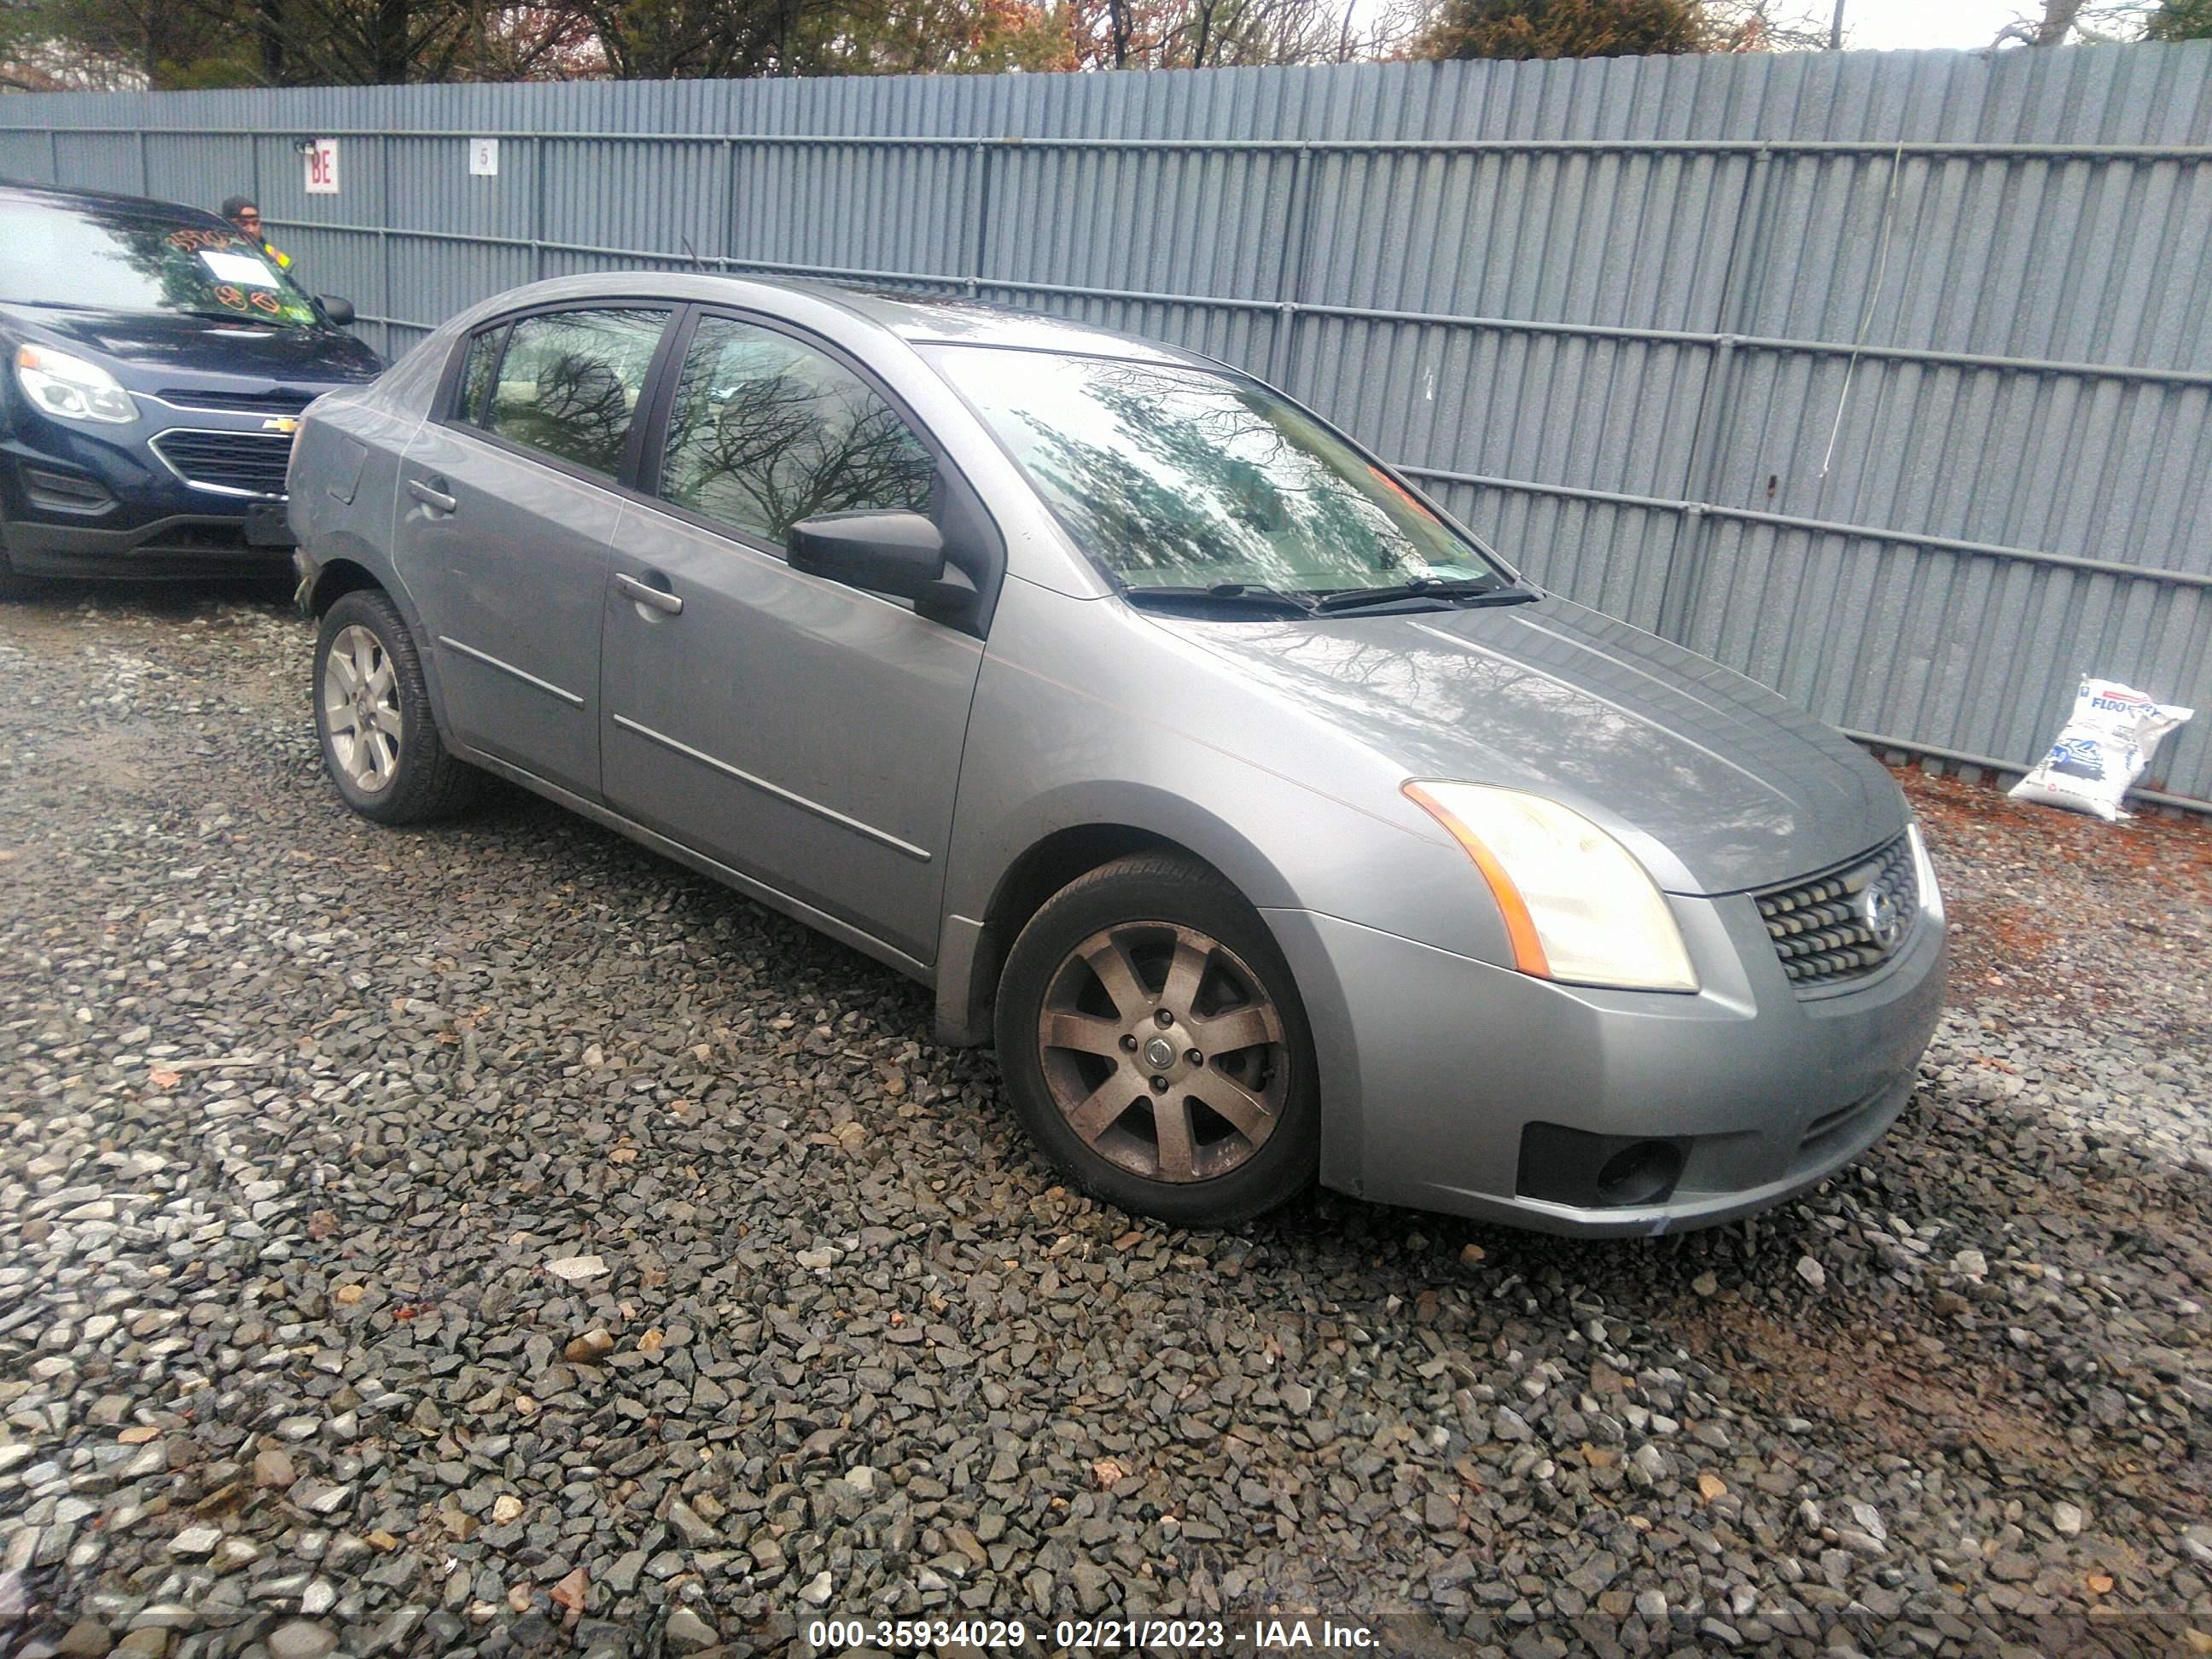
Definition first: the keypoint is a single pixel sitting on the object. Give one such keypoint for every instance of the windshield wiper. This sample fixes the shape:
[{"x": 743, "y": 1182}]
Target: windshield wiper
[
  {"x": 263, "y": 319},
  {"x": 1484, "y": 591},
  {"x": 1240, "y": 596}
]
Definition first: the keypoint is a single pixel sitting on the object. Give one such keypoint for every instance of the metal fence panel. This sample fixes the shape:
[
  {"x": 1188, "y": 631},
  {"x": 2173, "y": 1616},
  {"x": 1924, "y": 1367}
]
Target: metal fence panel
[{"x": 1886, "y": 378}]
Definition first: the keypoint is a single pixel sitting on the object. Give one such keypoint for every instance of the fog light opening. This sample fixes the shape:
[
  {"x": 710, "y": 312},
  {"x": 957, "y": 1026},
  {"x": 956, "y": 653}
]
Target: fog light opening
[{"x": 1644, "y": 1173}]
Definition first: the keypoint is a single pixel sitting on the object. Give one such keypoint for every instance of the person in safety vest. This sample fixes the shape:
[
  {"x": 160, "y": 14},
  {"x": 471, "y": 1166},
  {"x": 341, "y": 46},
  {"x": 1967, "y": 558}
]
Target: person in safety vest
[{"x": 241, "y": 211}]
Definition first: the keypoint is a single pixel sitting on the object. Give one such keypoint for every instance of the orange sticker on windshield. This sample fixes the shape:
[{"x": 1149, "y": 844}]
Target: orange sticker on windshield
[
  {"x": 191, "y": 241},
  {"x": 231, "y": 297},
  {"x": 264, "y": 301},
  {"x": 1399, "y": 490}
]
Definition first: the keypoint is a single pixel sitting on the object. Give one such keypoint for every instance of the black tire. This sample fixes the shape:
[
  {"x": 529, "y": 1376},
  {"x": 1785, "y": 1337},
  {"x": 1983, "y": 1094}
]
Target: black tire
[
  {"x": 12, "y": 586},
  {"x": 422, "y": 781},
  {"x": 1143, "y": 910}
]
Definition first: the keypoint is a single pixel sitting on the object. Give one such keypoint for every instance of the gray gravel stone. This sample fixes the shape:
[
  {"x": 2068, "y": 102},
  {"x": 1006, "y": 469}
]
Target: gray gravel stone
[
  {"x": 298, "y": 1638},
  {"x": 687, "y": 1632}
]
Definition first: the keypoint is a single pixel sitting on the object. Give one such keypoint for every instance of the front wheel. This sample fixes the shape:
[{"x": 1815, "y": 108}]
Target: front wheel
[
  {"x": 1155, "y": 1047},
  {"x": 12, "y": 585},
  {"x": 380, "y": 743}
]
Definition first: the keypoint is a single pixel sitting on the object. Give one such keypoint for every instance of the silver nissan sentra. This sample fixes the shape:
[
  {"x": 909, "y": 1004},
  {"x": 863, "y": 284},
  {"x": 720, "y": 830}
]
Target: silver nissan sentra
[{"x": 1272, "y": 826}]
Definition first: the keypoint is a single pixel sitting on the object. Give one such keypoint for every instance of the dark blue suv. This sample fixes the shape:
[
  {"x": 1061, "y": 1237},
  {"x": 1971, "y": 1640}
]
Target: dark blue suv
[{"x": 155, "y": 368}]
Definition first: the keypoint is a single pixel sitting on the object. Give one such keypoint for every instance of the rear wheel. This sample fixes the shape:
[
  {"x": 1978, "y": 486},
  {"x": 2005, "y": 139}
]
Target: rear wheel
[
  {"x": 1154, "y": 1044},
  {"x": 381, "y": 744}
]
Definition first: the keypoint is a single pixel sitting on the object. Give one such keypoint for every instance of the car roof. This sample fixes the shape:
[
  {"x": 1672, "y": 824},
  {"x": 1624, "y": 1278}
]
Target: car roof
[
  {"x": 913, "y": 318},
  {"x": 950, "y": 321},
  {"x": 58, "y": 196}
]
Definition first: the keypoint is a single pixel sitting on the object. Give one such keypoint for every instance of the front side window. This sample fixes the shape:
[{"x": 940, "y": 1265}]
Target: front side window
[
  {"x": 569, "y": 383},
  {"x": 120, "y": 258},
  {"x": 766, "y": 431},
  {"x": 1178, "y": 478}
]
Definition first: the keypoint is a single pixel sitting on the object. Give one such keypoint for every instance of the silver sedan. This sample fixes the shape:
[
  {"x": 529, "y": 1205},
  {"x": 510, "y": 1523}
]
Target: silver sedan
[{"x": 1272, "y": 826}]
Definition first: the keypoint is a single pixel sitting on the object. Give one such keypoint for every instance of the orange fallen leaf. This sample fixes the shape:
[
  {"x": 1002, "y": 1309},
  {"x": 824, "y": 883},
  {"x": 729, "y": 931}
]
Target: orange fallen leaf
[
  {"x": 160, "y": 1077},
  {"x": 1599, "y": 1457}
]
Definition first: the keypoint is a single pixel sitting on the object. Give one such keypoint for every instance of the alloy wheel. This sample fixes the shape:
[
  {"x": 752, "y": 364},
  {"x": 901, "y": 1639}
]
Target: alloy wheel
[
  {"x": 361, "y": 708},
  {"x": 1163, "y": 1052}
]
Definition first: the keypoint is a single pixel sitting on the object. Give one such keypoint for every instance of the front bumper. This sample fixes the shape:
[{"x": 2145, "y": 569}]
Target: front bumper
[
  {"x": 1435, "y": 1066},
  {"x": 101, "y": 504}
]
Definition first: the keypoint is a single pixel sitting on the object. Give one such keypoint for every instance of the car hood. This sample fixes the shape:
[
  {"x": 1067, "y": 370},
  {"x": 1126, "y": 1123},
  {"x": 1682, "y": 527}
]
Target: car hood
[
  {"x": 157, "y": 351},
  {"x": 1738, "y": 789}
]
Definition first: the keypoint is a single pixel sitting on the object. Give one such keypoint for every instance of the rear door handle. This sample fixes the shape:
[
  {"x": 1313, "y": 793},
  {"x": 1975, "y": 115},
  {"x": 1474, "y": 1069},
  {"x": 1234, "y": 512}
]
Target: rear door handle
[
  {"x": 645, "y": 593},
  {"x": 436, "y": 499}
]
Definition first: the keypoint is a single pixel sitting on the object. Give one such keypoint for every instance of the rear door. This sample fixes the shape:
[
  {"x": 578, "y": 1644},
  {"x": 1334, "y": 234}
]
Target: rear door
[
  {"x": 797, "y": 730},
  {"x": 505, "y": 510}
]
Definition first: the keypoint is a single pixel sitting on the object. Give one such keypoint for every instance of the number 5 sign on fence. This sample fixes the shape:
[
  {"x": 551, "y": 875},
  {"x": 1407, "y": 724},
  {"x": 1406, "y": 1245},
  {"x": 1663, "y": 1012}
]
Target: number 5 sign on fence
[{"x": 322, "y": 166}]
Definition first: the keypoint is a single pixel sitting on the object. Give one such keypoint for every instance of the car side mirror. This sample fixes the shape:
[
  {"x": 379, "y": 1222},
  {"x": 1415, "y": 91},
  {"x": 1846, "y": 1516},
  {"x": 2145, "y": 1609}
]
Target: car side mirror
[
  {"x": 899, "y": 552},
  {"x": 339, "y": 312}
]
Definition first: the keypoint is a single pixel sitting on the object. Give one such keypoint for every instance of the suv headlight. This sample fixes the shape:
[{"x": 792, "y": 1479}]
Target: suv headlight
[
  {"x": 1577, "y": 905},
  {"x": 70, "y": 389}
]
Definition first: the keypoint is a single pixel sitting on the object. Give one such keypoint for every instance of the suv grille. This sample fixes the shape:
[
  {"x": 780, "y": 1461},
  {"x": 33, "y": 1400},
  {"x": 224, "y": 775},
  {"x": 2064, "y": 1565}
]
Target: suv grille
[
  {"x": 243, "y": 463},
  {"x": 1847, "y": 923},
  {"x": 282, "y": 400}
]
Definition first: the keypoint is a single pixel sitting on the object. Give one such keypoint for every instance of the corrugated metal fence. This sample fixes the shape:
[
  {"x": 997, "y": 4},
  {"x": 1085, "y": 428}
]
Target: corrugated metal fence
[{"x": 1883, "y": 378}]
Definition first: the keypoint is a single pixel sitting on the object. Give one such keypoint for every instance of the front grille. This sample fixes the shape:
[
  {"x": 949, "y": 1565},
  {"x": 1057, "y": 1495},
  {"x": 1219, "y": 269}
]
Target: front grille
[
  {"x": 283, "y": 400},
  {"x": 243, "y": 463},
  {"x": 1844, "y": 925}
]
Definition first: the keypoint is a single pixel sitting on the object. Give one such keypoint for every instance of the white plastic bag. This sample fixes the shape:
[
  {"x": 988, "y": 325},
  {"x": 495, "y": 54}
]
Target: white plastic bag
[{"x": 2102, "y": 750}]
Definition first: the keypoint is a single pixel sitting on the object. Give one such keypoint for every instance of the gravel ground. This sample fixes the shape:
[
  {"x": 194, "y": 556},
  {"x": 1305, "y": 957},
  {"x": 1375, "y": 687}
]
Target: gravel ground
[{"x": 494, "y": 1240}]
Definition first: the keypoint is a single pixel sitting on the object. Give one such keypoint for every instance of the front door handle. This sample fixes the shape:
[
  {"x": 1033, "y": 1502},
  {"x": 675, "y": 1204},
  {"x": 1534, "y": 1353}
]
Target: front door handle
[
  {"x": 436, "y": 499},
  {"x": 645, "y": 593}
]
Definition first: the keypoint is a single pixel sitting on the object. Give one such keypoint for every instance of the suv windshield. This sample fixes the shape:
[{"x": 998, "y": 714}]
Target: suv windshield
[
  {"x": 103, "y": 259},
  {"x": 1172, "y": 477}
]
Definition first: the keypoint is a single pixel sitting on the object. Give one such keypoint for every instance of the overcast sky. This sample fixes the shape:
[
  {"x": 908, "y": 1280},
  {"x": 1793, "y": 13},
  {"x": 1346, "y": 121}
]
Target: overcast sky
[{"x": 1892, "y": 25}]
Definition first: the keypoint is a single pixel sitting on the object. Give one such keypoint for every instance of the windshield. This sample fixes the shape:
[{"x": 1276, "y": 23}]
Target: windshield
[
  {"x": 1176, "y": 477},
  {"x": 115, "y": 259}
]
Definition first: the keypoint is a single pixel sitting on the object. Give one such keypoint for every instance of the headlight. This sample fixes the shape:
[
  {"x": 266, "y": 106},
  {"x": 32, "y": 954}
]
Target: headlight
[
  {"x": 1577, "y": 905},
  {"x": 69, "y": 388},
  {"x": 1924, "y": 872}
]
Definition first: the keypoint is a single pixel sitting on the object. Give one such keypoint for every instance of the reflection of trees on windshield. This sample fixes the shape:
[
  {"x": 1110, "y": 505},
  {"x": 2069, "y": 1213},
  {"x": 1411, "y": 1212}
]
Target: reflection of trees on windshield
[
  {"x": 764, "y": 452},
  {"x": 184, "y": 282},
  {"x": 1189, "y": 478}
]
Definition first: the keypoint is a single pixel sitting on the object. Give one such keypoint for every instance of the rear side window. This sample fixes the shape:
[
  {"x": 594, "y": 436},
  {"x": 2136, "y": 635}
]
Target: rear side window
[
  {"x": 766, "y": 431},
  {"x": 569, "y": 383},
  {"x": 474, "y": 401}
]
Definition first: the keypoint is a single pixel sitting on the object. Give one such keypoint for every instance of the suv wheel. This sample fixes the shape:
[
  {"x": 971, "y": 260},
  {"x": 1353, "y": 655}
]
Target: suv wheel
[
  {"x": 12, "y": 586},
  {"x": 381, "y": 744},
  {"x": 1155, "y": 1047}
]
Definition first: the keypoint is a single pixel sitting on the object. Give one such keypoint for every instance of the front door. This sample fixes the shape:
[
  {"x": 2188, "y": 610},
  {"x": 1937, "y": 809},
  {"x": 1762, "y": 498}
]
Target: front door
[
  {"x": 797, "y": 730},
  {"x": 504, "y": 513}
]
